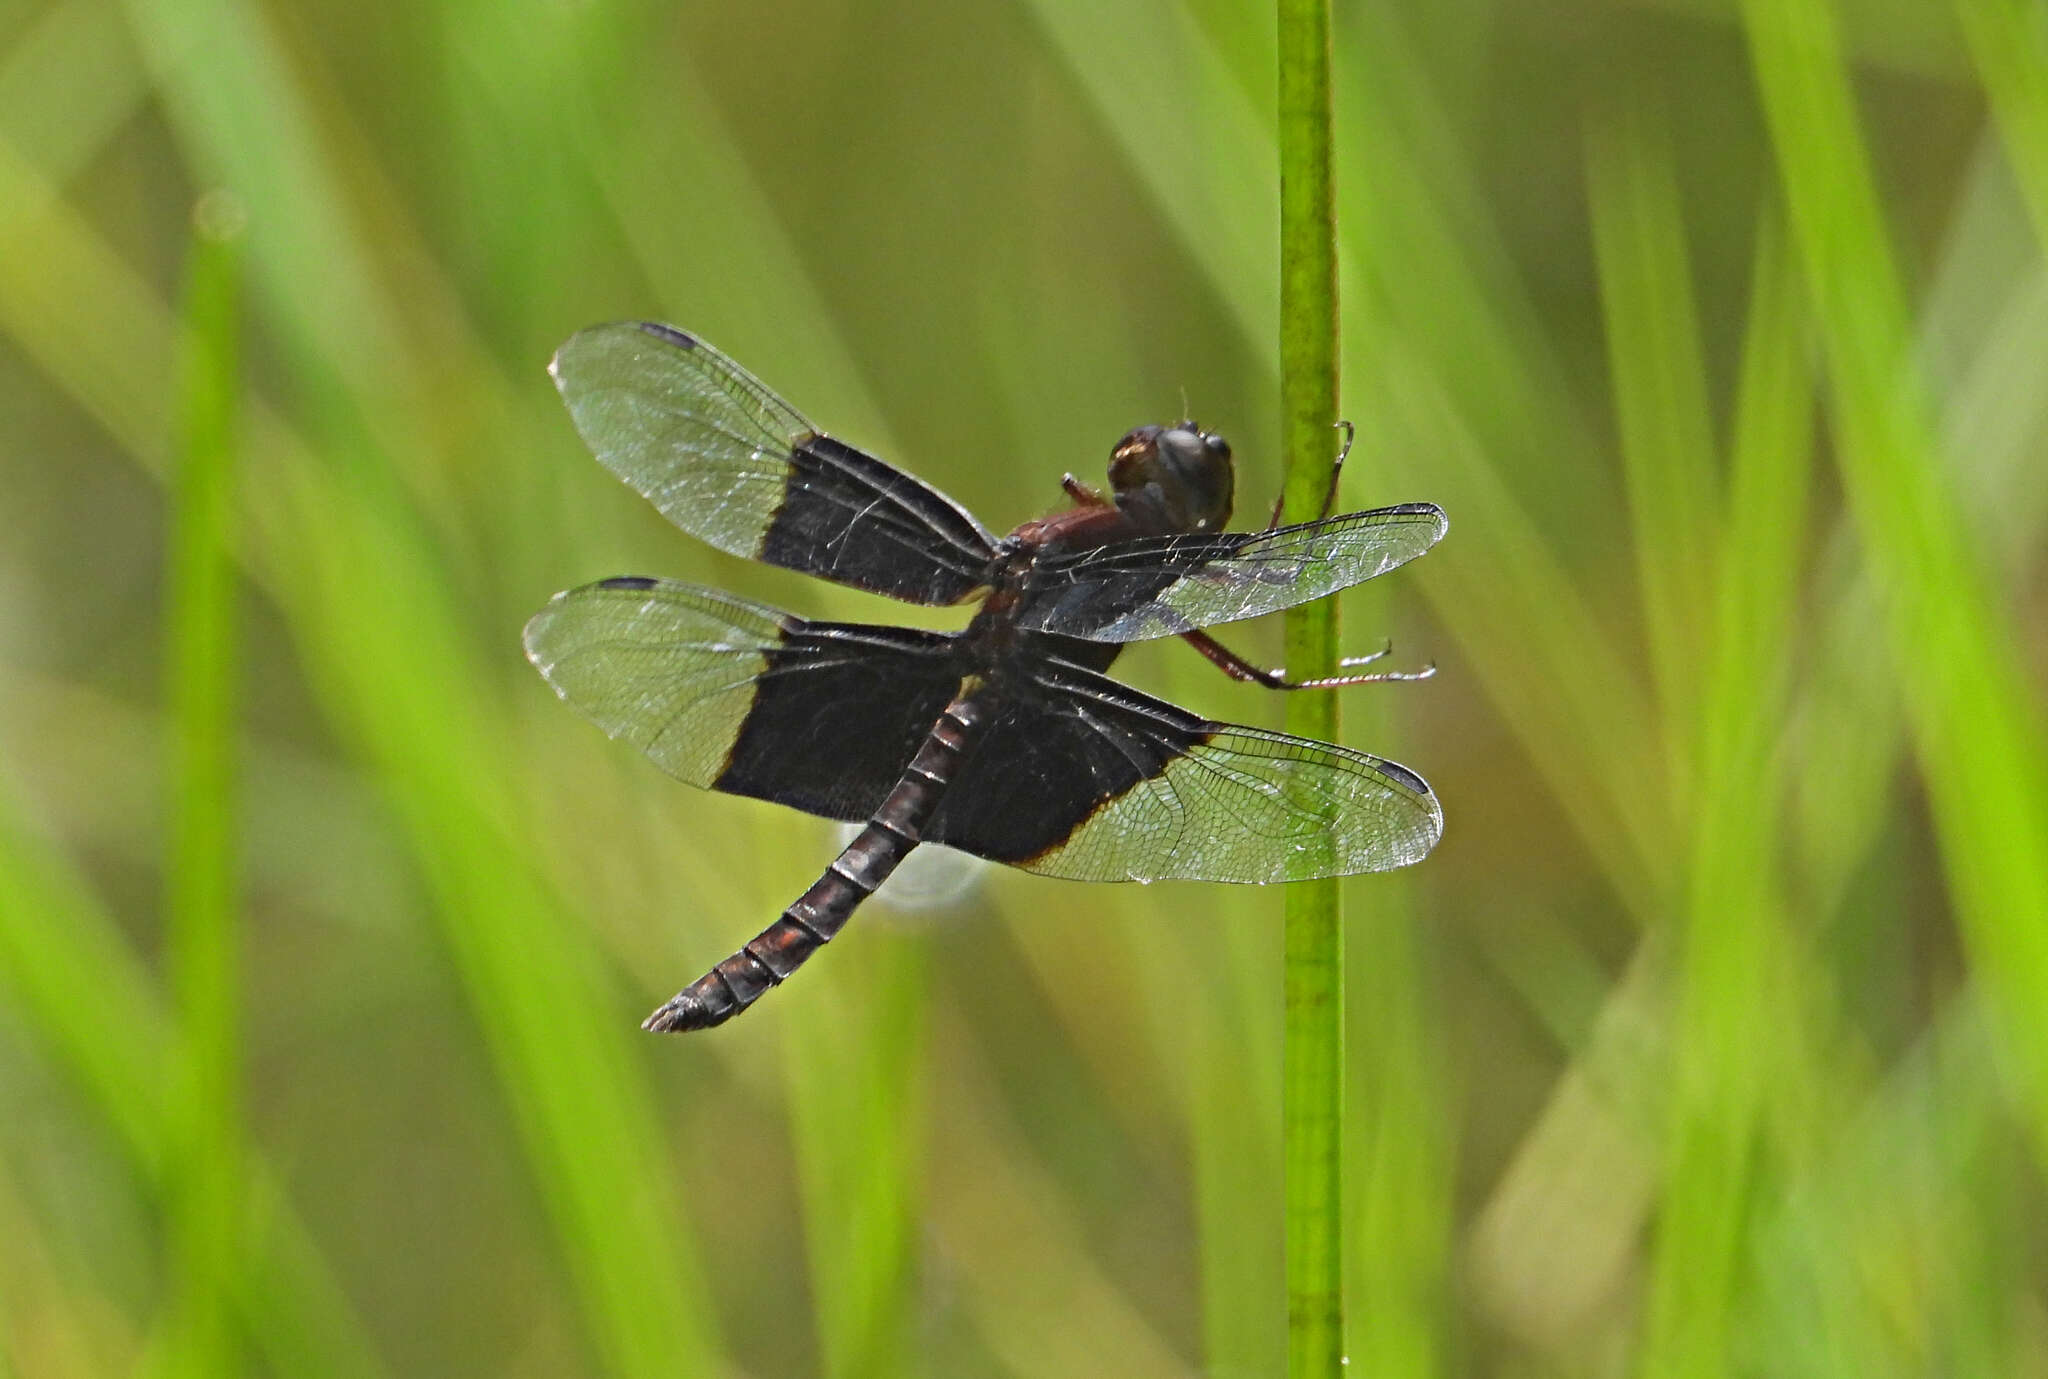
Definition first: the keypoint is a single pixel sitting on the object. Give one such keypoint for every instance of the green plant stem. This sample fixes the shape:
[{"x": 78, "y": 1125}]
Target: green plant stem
[
  {"x": 1312, "y": 1095},
  {"x": 203, "y": 936}
]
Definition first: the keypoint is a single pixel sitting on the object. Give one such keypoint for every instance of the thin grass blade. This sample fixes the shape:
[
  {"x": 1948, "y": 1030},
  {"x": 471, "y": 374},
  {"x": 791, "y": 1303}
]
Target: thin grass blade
[
  {"x": 1975, "y": 724},
  {"x": 2009, "y": 46},
  {"x": 1736, "y": 900},
  {"x": 1660, "y": 393},
  {"x": 201, "y": 893},
  {"x": 856, "y": 1095}
]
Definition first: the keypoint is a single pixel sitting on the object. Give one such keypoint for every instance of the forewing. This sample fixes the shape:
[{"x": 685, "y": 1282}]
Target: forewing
[
  {"x": 731, "y": 463},
  {"x": 1164, "y": 586},
  {"x": 1088, "y": 779},
  {"x": 734, "y": 696}
]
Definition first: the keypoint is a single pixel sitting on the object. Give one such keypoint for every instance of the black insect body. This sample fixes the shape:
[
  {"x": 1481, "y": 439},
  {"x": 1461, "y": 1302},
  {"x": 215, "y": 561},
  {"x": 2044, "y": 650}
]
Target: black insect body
[{"x": 1005, "y": 740}]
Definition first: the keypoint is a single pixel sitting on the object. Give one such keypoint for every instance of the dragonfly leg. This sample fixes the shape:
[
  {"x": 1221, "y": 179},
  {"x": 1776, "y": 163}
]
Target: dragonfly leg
[
  {"x": 1237, "y": 668},
  {"x": 1330, "y": 493},
  {"x": 1083, "y": 495}
]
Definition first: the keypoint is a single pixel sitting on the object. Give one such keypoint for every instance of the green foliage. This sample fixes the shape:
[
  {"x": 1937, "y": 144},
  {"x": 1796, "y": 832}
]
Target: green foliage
[{"x": 1709, "y": 1042}]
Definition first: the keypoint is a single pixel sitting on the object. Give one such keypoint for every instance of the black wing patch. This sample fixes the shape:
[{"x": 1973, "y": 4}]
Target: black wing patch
[
  {"x": 1086, "y": 778},
  {"x": 734, "y": 696},
  {"x": 1164, "y": 586},
  {"x": 732, "y": 464}
]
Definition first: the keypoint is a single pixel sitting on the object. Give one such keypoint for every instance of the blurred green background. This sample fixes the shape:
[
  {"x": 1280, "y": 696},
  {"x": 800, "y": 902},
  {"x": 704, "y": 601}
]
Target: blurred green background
[{"x": 1712, "y": 1040}]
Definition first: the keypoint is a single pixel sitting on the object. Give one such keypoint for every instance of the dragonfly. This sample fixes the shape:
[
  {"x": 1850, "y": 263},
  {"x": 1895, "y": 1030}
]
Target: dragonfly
[{"x": 1006, "y": 739}]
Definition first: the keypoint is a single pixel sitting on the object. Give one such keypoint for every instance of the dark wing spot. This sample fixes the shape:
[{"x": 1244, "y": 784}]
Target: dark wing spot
[
  {"x": 669, "y": 333},
  {"x": 1402, "y": 774},
  {"x": 627, "y": 582},
  {"x": 1043, "y": 773}
]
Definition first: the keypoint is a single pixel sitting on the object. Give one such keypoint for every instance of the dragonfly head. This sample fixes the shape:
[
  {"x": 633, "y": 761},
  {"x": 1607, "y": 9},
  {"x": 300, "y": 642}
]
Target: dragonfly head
[{"x": 1171, "y": 479}]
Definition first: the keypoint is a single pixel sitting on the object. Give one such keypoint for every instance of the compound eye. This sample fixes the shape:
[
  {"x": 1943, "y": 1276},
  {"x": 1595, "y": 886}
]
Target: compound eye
[{"x": 1172, "y": 479}]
